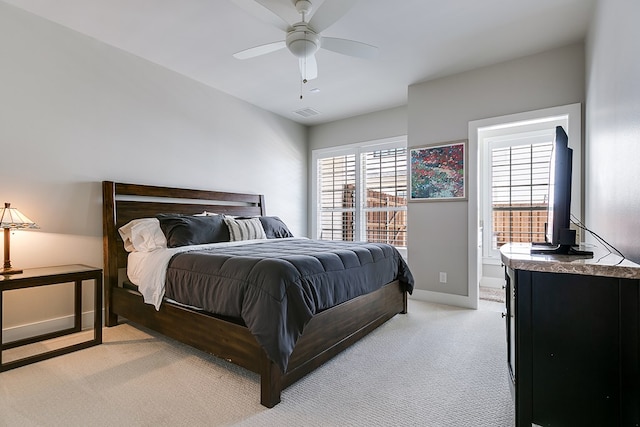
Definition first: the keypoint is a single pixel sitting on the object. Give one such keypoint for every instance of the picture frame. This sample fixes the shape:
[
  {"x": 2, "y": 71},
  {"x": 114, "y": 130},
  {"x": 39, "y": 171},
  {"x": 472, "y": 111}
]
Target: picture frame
[{"x": 438, "y": 172}]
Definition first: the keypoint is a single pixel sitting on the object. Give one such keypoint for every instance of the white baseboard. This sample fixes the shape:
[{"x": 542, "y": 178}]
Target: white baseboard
[
  {"x": 442, "y": 298},
  {"x": 44, "y": 327}
]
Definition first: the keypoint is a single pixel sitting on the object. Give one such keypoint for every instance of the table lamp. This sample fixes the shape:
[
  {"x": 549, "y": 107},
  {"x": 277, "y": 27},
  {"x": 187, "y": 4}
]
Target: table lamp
[{"x": 12, "y": 219}]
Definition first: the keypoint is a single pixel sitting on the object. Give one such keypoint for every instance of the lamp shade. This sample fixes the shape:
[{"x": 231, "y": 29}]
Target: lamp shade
[{"x": 13, "y": 218}]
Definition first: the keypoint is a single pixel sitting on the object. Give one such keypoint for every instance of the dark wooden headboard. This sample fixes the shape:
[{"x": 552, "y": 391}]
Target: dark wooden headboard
[{"x": 122, "y": 203}]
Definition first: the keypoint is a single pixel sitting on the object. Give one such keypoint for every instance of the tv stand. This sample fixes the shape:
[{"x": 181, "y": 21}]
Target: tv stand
[
  {"x": 546, "y": 249},
  {"x": 573, "y": 338}
]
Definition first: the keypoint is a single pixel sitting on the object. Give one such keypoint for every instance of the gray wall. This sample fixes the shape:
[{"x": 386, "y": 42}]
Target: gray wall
[
  {"x": 367, "y": 127},
  {"x": 440, "y": 110},
  {"x": 74, "y": 112},
  {"x": 612, "y": 205}
]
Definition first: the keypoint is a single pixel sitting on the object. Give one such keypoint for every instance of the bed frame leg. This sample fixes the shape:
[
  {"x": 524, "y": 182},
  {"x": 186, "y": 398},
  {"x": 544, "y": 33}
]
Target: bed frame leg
[
  {"x": 270, "y": 383},
  {"x": 111, "y": 319},
  {"x": 405, "y": 302}
]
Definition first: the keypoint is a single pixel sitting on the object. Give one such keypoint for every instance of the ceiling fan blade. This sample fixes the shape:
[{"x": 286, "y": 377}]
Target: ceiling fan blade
[
  {"x": 308, "y": 68},
  {"x": 349, "y": 47},
  {"x": 269, "y": 12},
  {"x": 329, "y": 12},
  {"x": 260, "y": 50}
]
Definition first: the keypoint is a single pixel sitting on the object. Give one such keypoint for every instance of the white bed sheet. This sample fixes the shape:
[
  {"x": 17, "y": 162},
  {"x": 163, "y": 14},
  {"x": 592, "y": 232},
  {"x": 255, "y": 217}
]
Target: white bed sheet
[{"x": 148, "y": 270}]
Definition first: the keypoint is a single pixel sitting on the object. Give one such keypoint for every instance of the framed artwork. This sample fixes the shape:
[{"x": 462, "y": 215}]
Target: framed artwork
[{"x": 437, "y": 172}]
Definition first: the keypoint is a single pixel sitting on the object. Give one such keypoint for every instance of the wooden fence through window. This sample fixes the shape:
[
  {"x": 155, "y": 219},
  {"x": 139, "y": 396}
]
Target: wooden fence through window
[
  {"x": 518, "y": 223},
  {"x": 382, "y": 226}
]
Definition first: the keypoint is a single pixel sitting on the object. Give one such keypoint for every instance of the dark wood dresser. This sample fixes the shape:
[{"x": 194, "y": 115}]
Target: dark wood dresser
[{"x": 573, "y": 336}]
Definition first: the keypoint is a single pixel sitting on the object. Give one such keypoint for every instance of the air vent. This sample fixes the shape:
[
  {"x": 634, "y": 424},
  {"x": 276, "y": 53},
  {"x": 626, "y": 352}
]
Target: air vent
[{"x": 307, "y": 112}]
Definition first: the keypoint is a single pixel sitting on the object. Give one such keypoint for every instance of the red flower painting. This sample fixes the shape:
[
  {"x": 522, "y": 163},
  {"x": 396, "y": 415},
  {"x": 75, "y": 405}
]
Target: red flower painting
[{"x": 437, "y": 172}]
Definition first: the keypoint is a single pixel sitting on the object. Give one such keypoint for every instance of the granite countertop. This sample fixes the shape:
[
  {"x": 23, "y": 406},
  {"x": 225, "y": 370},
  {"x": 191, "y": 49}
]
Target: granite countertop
[{"x": 603, "y": 263}]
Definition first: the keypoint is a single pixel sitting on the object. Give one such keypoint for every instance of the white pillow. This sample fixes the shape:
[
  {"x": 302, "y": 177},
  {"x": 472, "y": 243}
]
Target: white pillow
[
  {"x": 143, "y": 235},
  {"x": 245, "y": 229}
]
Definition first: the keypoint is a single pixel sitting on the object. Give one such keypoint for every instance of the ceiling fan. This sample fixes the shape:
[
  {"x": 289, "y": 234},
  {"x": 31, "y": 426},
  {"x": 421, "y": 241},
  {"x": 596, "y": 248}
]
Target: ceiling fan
[{"x": 303, "y": 38}]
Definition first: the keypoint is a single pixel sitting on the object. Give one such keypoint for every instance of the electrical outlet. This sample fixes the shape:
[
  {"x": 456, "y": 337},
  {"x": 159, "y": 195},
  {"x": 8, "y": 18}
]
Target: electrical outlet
[{"x": 443, "y": 277}]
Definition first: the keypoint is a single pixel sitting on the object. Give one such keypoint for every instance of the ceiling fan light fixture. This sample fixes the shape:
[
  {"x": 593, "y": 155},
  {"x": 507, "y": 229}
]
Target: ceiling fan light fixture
[
  {"x": 302, "y": 42},
  {"x": 303, "y": 48}
]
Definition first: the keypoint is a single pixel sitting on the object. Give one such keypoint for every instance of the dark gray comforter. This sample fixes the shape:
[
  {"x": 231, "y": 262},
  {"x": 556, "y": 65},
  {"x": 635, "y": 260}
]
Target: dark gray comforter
[{"x": 276, "y": 286}]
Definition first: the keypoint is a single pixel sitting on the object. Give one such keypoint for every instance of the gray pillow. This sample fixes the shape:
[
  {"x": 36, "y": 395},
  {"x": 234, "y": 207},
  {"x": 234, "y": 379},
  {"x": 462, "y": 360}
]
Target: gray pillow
[
  {"x": 183, "y": 230},
  {"x": 274, "y": 227}
]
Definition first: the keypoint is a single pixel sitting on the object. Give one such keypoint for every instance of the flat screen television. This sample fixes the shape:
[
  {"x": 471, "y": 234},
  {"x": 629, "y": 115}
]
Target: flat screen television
[{"x": 560, "y": 238}]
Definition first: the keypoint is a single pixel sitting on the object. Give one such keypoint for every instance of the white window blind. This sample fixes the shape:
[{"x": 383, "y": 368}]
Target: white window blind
[
  {"x": 385, "y": 181},
  {"x": 337, "y": 184},
  {"x": 362, "y": 194},
  {"x": 519, "y": 192}
]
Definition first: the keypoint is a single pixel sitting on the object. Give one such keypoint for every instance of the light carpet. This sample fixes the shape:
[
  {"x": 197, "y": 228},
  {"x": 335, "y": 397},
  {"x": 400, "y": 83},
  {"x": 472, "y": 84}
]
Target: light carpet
[{"x": 435, "y": 366}]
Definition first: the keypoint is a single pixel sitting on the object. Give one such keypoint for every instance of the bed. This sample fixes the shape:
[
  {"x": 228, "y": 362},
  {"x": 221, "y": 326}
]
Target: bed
[{"x": 325, "y": 332}]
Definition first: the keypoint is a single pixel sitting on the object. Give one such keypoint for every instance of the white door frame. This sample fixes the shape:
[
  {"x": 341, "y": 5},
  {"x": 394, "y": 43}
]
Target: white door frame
[{"x": 574, "y": 111}]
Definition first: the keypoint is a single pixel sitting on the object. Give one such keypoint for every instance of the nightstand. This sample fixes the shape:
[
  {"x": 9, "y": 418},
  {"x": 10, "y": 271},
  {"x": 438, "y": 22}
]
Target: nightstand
[{"x": 35, "y": 277}]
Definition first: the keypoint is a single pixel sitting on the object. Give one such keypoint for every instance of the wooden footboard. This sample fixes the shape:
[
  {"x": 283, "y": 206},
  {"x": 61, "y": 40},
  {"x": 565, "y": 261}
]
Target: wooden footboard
[
  {"x": 222, "y": 338},
  {"x": 327, "y": 334}
]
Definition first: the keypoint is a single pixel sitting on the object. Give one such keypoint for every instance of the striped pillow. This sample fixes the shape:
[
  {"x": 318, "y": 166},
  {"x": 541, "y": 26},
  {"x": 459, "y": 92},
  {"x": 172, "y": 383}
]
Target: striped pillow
[{"x": 245, "y": 229}]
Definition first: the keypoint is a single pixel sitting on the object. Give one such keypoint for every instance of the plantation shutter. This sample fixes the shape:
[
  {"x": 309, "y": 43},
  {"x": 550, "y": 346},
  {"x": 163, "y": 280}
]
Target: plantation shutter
[
  {"x": 385, "y": 196},
  {"x": 337, "y": 185},
  {"x": 362, "y": 193},
  {"x": 519, "y": 192}
]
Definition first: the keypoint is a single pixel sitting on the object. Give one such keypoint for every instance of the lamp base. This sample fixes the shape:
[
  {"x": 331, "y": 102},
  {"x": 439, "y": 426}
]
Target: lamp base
[{"x": 9, "y": 271}]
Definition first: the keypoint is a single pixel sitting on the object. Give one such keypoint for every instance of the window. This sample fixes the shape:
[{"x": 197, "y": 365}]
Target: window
[
  {"x": 337, "y": 207},
  {"x": 361, "y": 193},
  {"x": 519, "y": 189},
  {"x": 516, "y": 182}
]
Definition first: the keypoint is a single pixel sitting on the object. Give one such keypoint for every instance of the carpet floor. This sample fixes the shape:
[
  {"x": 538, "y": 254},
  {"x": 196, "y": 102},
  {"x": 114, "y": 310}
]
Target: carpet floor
[{"x": 435, "y": 366}]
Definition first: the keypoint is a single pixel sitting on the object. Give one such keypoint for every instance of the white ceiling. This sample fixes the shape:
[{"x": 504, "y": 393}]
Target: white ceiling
[{"x": 418, "y": 40}]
